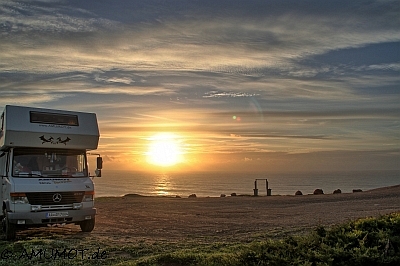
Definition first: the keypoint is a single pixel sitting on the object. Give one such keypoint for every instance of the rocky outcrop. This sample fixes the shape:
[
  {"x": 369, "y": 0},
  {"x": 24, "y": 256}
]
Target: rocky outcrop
[{"x": 318, "y": 191}]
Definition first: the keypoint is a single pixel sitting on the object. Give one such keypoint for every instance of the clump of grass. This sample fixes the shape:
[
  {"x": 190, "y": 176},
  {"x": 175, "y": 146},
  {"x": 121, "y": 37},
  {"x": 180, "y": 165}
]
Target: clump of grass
[{"x": 369, "y": 241}]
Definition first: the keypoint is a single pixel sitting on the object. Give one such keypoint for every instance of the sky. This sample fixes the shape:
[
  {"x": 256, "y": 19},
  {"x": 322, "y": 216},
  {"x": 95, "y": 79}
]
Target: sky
[{"x": 241, "y": 85}]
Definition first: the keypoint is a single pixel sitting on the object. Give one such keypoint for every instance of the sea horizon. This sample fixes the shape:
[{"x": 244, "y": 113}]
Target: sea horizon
[{"x": 116, "y": 183}]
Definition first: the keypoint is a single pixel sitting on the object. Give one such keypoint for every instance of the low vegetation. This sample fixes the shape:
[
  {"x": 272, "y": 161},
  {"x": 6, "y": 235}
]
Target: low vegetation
[{"x": 369, "y": 241}]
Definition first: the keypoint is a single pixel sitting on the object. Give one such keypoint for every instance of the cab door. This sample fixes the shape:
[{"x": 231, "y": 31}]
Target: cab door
[{"x": 5, "y": 180}]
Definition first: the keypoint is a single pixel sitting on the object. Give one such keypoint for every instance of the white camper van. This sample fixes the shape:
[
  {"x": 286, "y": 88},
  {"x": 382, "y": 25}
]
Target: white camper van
[{"x": 44, "y": 169}]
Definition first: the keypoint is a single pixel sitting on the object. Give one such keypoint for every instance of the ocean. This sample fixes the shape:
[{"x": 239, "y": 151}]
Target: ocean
[{"x": 213, "y": 184}]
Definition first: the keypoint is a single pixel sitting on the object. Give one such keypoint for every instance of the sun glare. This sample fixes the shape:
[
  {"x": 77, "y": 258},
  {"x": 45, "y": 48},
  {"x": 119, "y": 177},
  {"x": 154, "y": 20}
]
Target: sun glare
[{"x": 164, "y": 150}]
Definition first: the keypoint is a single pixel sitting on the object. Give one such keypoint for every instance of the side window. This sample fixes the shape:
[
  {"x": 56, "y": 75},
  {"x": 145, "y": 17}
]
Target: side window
[
  {"x": 3, "y": 163},
  {"x": 2, "y": 125},
  {"x": 2, "y": 121}
]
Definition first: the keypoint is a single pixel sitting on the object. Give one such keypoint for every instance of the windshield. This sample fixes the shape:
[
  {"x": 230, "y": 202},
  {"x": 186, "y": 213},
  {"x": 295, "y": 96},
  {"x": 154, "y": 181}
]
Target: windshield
[{"x": 49, "y": 162}]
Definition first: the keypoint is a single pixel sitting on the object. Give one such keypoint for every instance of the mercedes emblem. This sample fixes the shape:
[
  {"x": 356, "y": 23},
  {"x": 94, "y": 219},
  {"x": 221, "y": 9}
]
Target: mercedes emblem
[{"x": 57, "y": 197}]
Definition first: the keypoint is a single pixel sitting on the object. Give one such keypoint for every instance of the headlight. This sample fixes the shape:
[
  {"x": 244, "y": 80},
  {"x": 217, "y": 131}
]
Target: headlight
[
  {"x": 19, "y": 198},
  {"x": 89, "y": 195}
]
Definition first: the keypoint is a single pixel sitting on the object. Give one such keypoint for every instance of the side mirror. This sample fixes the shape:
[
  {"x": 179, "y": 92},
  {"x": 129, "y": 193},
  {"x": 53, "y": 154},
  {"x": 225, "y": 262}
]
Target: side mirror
[
  {"x": 99, "y": 166},
  {"x": 99, "y": 163}
]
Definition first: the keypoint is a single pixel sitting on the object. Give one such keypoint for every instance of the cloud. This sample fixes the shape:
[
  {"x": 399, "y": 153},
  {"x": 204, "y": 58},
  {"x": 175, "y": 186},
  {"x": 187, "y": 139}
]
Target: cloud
[
  {"x": 27, "y": 99},
  {"x": 224, "y": 44},
  {"x": 216, "y": 94},
  {"x": 47, "y": 17}
]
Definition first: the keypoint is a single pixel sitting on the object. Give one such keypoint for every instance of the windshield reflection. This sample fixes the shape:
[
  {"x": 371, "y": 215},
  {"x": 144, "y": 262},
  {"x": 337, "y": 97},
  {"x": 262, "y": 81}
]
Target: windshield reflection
[{"x": 49, "y": 162}]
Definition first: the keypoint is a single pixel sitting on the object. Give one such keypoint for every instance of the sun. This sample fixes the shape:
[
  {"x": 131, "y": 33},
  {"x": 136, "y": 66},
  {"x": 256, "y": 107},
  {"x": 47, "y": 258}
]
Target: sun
[{"x": 164, "y": 150}]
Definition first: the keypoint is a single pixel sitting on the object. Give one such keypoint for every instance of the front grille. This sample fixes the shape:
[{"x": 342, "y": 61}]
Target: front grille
[
  {"x": 57, "y": 207},
  {"x": 46, "y": 198}
]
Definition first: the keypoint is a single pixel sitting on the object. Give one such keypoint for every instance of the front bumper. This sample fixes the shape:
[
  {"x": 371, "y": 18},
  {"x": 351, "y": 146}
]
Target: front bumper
[{"x": 51, "y": 217}]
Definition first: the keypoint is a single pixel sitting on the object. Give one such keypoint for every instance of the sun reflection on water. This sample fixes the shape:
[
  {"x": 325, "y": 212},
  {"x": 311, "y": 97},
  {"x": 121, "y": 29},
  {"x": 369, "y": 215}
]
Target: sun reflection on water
[{"x": 163, "y": 185}]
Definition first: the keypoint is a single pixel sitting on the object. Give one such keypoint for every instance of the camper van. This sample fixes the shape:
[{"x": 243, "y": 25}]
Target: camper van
[{"x": 44, "y": 168}]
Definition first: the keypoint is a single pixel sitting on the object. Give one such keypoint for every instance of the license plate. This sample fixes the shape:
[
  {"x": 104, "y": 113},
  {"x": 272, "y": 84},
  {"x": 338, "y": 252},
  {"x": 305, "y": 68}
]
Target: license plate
[{"x": 56, "y": 214}]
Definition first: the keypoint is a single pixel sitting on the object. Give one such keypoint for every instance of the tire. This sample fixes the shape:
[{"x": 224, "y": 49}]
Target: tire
[
  {"x": 88, "y": 225},
  {"x": 9, "y": 229}
]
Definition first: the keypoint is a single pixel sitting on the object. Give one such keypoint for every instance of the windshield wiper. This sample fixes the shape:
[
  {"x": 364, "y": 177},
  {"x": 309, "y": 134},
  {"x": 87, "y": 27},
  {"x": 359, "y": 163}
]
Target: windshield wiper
[
  {"x": 58, "y": 175},
  {"x": 37, "y": 175},
  {"x": 29, "y": 175}
]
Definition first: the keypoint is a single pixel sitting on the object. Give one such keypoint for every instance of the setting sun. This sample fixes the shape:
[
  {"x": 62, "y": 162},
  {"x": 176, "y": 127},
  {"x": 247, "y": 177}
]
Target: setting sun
[{"x": 164, "y": 150}]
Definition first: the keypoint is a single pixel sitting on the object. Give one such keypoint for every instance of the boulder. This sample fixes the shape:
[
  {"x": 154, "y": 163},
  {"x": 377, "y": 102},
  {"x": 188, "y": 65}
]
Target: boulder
[
  {"x": 233, "y": 195},
  {"x": 357, "y": 190},
  {"x": 298, "y": 193},
  {"x": 192, "y": 196},
  {"x": 337, "y": 191},
  {"x": 318, "y": 191},
  {"x": 223, "y": 196}
]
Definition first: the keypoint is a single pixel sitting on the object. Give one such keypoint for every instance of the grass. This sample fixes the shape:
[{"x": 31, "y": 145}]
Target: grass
[{"x": 369, "y": 241}]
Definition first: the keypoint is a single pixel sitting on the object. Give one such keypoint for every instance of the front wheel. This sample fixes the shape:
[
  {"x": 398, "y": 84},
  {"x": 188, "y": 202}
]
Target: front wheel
[
  {"x": 9, "y": 229},
  {"x": 88, "y": 225}
]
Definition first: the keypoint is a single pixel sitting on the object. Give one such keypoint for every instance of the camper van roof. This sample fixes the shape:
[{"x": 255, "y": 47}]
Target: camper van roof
[{"x": 38, "y": 127}]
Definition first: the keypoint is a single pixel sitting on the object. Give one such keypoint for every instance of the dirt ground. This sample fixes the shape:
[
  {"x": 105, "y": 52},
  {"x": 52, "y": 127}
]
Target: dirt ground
[{"x": 132, "y": 219}]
